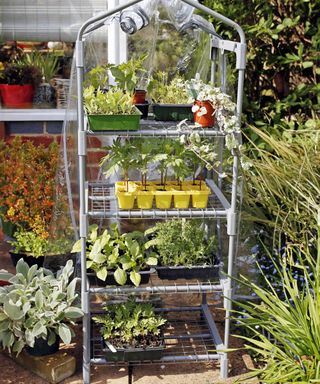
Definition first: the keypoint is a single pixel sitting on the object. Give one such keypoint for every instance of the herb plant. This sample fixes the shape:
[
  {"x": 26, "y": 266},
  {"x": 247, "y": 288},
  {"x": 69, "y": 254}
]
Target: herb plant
[
  {"x": 124, "y": 254},
  {"x": 130, "y": 325},
  {"x": 15, "y": 73},
  {"x": 163, "y": 91},
  {"x": 28, "y": 242},
  {"x": 37, "y": 305},
  {"x": 181, "y": 243},
  {"x": 46, "y": 63}
]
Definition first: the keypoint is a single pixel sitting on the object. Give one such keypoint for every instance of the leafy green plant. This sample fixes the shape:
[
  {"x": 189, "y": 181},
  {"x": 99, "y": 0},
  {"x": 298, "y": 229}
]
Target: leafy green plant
[
  {"x": 48, "y": 63},
  {"x": 30, "y": 243},
  {"x": 177, "y": 162},
  {"x": 127, "y": 75},
  {"x": 119, "y": 157},
  {"x": 181, "y": 243},
  {"x": 111, "y": 102},
  {"x": 37, "y": 305},
  {"x": 98, "y": 77},
  {"x": 163, "y": 91},
  {"x": 144, "y": 154},
  {"x": 285, "y": 324},
  {"x": 130, "y": 324},
  {"x": 124, "y": 254}
]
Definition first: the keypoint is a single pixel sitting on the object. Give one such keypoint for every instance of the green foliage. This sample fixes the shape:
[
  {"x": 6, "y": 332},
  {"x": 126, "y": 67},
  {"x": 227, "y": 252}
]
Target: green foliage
[
  {"x": 97, "y": 77},
  {"x": 127, "y": 75},
  {"x": 111, "y": 102},
  {"x": 285, "y": 323},
  {"x": 283, "y": 183},
  {"x": 282, "y": 62},
  {"x": 184, "y": 156},
  {"x": 30, "y": 243},
  {"x": 122, "y": 253},
  {"x": 181, "y": 242},
  {"x": 37, "y": 305},
  {"x": 163, "y": 91},
  {"x": 46, "y": 63},
  {"x": 129, "y": 321},
  {"x": 120, "y": 155}
]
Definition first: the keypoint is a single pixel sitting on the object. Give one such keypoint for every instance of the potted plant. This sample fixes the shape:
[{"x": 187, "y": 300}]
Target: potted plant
[
  {"x": 181, "y": 169},
  {"x": 118, "y": 258},
  {"x": 185, "y": 251},
  {"x": 111, "y": 110},
  {"x": 143, "y": 156},
  {"x": 48, "y": 65},
  {"x": 120, "y": 157},
  {"x": 209, "y": 101},
  {"x": 128, "y": 77},
  {"x": 17, "y": 84},
  {"x": 131, "y": 331},
  {"x": 170, "y": 98},
  {"x": 36, "y": 310}
]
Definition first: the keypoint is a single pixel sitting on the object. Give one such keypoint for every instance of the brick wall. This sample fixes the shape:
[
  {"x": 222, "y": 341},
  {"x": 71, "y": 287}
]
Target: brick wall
[{"x": 45, "y": 132}]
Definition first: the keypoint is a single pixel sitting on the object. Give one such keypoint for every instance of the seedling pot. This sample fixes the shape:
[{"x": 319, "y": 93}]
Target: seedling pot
[
  {"x": 172, "y": 112},
  {"x": 188, "y": 273},
  {"x": 134, "y": 354},
  {"x": 145, "y": 199},
  {"x": 114, "y": 122},
  {"x": 163, "y": 199},
  {"x": 144, "y": 109},
  {"x": 125, "y": 199}
]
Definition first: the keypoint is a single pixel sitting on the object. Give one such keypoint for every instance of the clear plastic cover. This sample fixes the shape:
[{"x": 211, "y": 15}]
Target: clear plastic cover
[{"x": 185, "y": 53}]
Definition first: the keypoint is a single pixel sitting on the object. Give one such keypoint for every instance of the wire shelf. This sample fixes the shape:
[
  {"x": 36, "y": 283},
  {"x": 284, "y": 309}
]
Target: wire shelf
[
  {"x": 156, "y": 285},
  {"x": 187, "y": 338},
  {"x": 156, "y": 128},
  {"x": 102, "y": 204}
]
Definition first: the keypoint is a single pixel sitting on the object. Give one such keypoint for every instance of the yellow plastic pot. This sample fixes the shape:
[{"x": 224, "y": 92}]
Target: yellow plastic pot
[
  {"x": 122, "y": 186},
  {"x": 181, "y": 199},
  {"x": 145, "y": 198},
  {"x": 163, "y": 199},
  {"x": 125, "y": 199},
  {"x": 200, "y": 198}
]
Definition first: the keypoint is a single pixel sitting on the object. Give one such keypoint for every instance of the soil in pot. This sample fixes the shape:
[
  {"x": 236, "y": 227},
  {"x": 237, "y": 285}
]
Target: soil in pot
[
  {"x": 42, "y": 348},
  {"x": 30, "y": 260}
]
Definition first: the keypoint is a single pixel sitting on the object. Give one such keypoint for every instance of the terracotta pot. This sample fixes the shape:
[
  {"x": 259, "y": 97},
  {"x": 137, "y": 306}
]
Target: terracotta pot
[
  {"x": 206, "y": 120},
  {"x": 139, "y": 96},
  {"x": 17, "y": 96}
]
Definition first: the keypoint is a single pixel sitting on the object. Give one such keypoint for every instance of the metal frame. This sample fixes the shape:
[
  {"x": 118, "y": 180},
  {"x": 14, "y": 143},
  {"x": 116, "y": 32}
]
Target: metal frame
[{"x": 216, "y": 43}]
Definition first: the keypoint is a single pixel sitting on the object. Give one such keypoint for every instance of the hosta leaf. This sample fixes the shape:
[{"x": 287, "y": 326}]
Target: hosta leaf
[
  {"x": 102, "y": 273},
  {"x": 120, "y": 276},
  {"x": 135, "y": 277},
  {"x": 64, "y": 333}
]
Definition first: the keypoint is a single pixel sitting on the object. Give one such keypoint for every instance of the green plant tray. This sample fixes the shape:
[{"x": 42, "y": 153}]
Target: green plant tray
[
  {"x": 114, "y": 122},
  {"x": 172, "y": 112}
]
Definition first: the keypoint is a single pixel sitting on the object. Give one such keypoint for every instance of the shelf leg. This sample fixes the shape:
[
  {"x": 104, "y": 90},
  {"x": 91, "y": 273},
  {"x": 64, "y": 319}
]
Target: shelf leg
[
  {"x": 130, "y": 373},
  {"x": 224, "y": 363}
]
